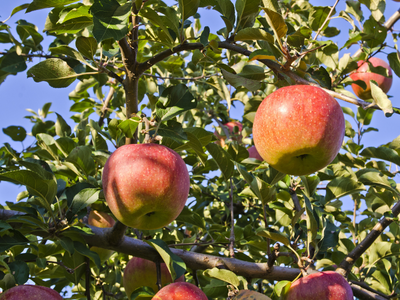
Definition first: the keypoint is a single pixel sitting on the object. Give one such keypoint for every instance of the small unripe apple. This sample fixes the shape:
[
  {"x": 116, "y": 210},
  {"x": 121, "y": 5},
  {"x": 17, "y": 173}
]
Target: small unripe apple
[
  {"x": 235, "y": 136},
  {"x": 253, "y": 153},
  {"x": 31, "y": 292},
  {"x": 180, "y": 291},
  {"x": 363, "y": 74},
  {"x": 327, "y": 285},
  {"x": 142, "y": 272},
  {"x": 102, "y": 220},
  {"x": 298, "y": 129},
  {"x": 146, "y": 186}
]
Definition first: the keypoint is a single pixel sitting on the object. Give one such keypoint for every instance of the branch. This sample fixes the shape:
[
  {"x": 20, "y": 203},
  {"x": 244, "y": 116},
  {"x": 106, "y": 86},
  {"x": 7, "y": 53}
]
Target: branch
[
  {"x": 105, "y": 106},
  {"x": 326, "y": 20},
  {"x": 347, "y": 263}
]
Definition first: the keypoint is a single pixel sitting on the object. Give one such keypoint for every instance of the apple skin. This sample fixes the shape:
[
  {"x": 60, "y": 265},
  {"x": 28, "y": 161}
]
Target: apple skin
[
  {"x": 142, "y": 272},
  {"x": 234, "y": 136},
  {"x": 102, "y": 220},
  {"x": 327, "y": 285},
  {"x": 363, "y": 74},
  {"x": 298, "y": 129},
  {"x": 180, "y": 291},
  {"x": 31, "y": 292},
  {"x": 145, "y": 185},
  {"x": 253, "y": 153}
]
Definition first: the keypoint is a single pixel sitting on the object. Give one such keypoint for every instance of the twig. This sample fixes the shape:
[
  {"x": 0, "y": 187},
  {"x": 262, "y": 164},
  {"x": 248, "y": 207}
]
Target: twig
[
  {"x": 87, "y": 278},
  {"x": 105, "y": 106},
  {"x": 326, "y": 20},
  {"x": 158, "y": 269},
  {"x": 295, "y": 199},
  {"x": 232, "y": 236},
  {"x": 368, "y": 288},
  {"x": 180, "y": 78}
]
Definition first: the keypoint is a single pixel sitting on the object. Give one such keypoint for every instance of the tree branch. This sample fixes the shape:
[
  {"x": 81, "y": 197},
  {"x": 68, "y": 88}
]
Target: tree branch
[{"x": 347, "y": 263}]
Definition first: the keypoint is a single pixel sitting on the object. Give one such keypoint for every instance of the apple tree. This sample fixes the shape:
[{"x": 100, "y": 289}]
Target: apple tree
[{"x": 152, "y": 71}]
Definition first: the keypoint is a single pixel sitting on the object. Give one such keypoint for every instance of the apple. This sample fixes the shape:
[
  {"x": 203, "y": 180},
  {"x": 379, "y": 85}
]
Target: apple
[
  {"x": 234, "y": 136},
  {"x": 327, "y": 285},
  {"x": 102, "y": 220},
  {"x": 31, "y": 292},
  {"x": 298, "y": 129},
  {"x": 363, "y": 74},
  {"x": 145, "y": 185},
  {"x": 253, "y": 153},
  {"x": 180, "y": 291},
  {"x": 248, "y": 294},
  {"x": 142, "y": 272}
]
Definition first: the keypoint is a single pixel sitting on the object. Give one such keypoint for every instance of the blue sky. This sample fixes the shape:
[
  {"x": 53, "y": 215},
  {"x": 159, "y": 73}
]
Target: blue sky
[{"x": 19, "y": 92}]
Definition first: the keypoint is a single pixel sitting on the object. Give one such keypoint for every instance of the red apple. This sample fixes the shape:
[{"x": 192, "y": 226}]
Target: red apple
[
  {"x": 142, "y": 272},
  {"x": 31, "y": 292},
  {"x": 180, "y": 291},
  {"x": 102, "y": 220},
  {"x": 146, "y": 186},
  {"x": 253, "y": 153},
  {"x": 327, "y": 285},
  {"x": 235, "y": 136},
  {"x": 298, "y": 129},
  {"x": 363, "y": 74}
]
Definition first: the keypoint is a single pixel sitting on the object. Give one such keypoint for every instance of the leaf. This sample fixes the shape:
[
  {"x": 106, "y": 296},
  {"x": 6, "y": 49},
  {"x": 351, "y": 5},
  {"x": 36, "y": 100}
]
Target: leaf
[
  {"x": 237, "y": 81},
  {"x": 82, "y": 158},
  {"x": 273, "y": 235},
  {"x": 62, "y": 128},
  {"x": 330, "y": 236},
  {"x": 265, "y": 192},
  {"x": 204, "y": 36},
  {"x": 12, "y": 238},
  {"x": 247, "y": 11},
  {"x": 342, "y": 186},
  {"x": 312, "y": 225},
  {"x": 276, "y": 22},
  {"x": 68, "y": 51},
  {"x": 129, "y": 126},
  {"x": 374, "y": 177},
  {"x": 110, "y": 19},
  {"x": 188, "y": 8},
  {"x": 222, "y": 158},
  {"x": 12, "y": 63},
  {"x": 382, "y": 153},
  {"x": 16, "y": 133},
  {"x": 156, "y": 19},
  {"x": 224, "y": 275},
  {"x": 87, "y": 46},
  {"x": 254, "y": 34},
  {"x": 82, "y": 249},
  {"x": 56, "y": 72},
  {"x": 19, "y": 8},
  {"x": 174, "y": 263},
  {"x": 40, "y": 4},
  {"x": 381, "y": 99},
  {"x": 297, "y": 38},
  {"x": 318, "y": 16},
  {"x": 83, "y": 199},
  {"x": 45, "y": 189},
  {"x": 20, "y": 271},
  {"x": 191, "y": 217}
]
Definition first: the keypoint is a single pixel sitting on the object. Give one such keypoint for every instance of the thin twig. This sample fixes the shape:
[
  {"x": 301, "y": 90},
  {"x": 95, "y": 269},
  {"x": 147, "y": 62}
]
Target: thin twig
[
  {"x": 87, "y": 278},
  {"x": 232, "y": 236},
  {"x": 106, "y": 103},
  {"x": 158, "y": 268},
  {"x": 328, "y": 17}
]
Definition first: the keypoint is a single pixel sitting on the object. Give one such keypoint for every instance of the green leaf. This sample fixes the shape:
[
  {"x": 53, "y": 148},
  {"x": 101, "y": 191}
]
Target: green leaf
[
  {"x": 53, "y": 23},
  {"x": 312, "y": 224},
  {"x": 224, "y": 275},
  {"x": 82, "y": 158},
  {"x": 156, "y": 19},
  {"x": 68, "y": 51},
  {"x": 62, "y": 128},
  {"x": 297, "y": 39},
  {"x": 204, "y": 36},
  {"x": 40, "y": 4},
  {"x": 16, "y": 133},
  {"x": 129, "y": 126},
  {"x": 19, "y": 8},
  {"x": 191, "y": 217},
  {"x": 20, "y": 271},
  {"x": 273, "y": 235},
  {"x": 265, "y": 192},
  {"x": 188, "y": 8},
  {"x": 237, "y": 81},
  {"x": 13, "y": 63},
  {"x": 342, "y": 186},
  {"x": 382, "y": 153},
  {"x": 12, "y": 238},
  {"x": 110, "y": 19},
  {"x": 381, "y": 99},
  {"x": 380, "y": 250},
  {"x": 330, "y": 236},
  {"x": 67, "y": 244},
  {"x": 318, "y": 16},
  {"x": 276, "y": 22},
  {"x": 87, "y": 46},
  {"x": 56, "y": 72},
  {"x": 83, "y": 199},
  {"x": 247, "y": 11},
  {"x": 174, "y": 263},
  {"x": 45, "y": 189},
  {"x": 254, "y": 34},
  {"x": 82, "y": 249},
  {"x": 374, "y": 177},
  {"x": 374, "y": 33},
  {"x": 223, "y": 160}
]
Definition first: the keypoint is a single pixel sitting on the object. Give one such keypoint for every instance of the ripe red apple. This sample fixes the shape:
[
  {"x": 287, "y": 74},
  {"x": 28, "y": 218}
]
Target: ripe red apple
[
  {"x": 253, "y": 153},
  {"x": 146, "y": 186},
  {"x": 102, "y": 220},
  {"x": 31, "y": 292},
  {"x": 327, "y": 285},
  {"x": 234, "y": 136},
  {"x": 142, "y": 272},
  {"x": 298, "y": 129},
  {"x": 362, "y": 73},
  {"x": 180, "y": 291}
]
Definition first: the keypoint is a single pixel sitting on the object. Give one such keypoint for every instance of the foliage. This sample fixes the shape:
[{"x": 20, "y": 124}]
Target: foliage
[{"x": 150, "y": 69}]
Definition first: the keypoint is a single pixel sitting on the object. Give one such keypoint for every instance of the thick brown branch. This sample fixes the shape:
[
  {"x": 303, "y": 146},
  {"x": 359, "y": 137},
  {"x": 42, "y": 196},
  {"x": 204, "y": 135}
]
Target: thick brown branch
[{"x": 347, "y": 263}]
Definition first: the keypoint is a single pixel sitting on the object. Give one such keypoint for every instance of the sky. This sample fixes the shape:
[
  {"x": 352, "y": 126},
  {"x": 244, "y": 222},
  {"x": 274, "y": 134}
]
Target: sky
[{"x": 19, "y": 92}]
